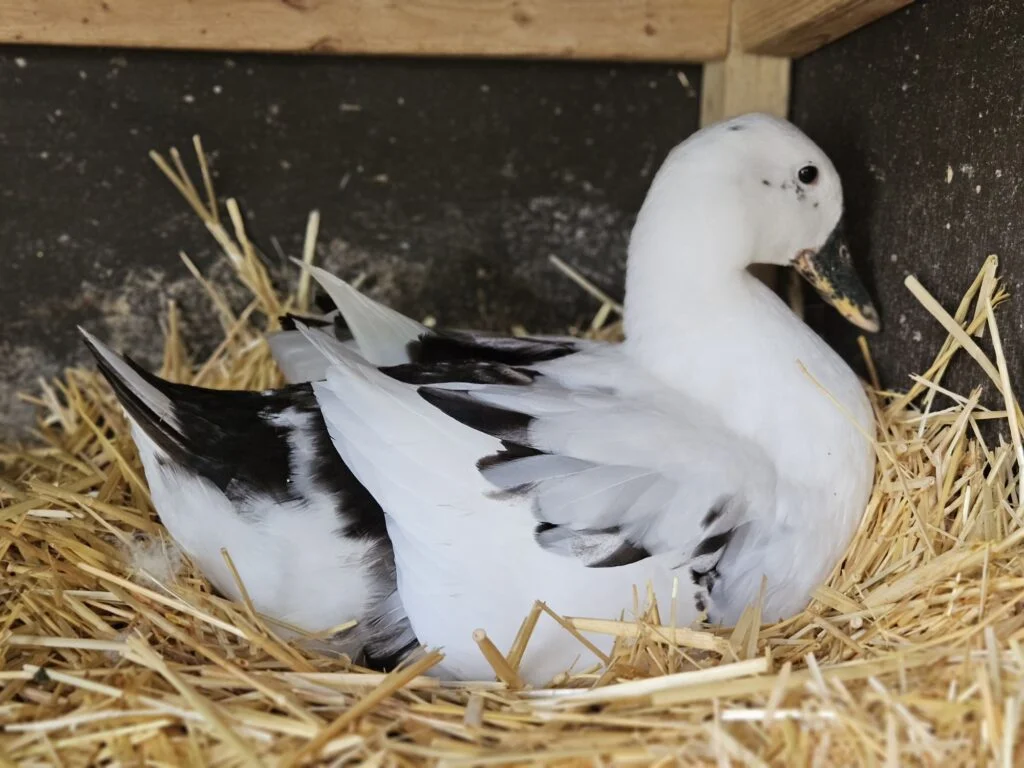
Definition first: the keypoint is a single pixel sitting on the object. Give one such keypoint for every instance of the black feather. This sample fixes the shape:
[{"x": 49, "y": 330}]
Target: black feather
[
  {"x": 509, "y": 452},
  {"x": 713, "y": 543},
  {"x": 323, "y": 302},
  {"x": 705, "y": 579},
  {"x": 337, "y": 323},
  {"x": 289, "y": 319},
  {"x": 501, "y": 423},
  {"x": 713, "y": 514},
  {"x": 387, "y": 662},
  {"x": 230, "y": 439},
  {"x": 626, "y": 554},
  {"x": 451, "y": 346},
  {"x": 466, "y": 371},
  {"x": 585, "y": 543}
]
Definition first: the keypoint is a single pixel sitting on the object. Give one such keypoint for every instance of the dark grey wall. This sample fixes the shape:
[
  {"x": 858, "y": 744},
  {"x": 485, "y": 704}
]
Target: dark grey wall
[
  {"x": 450, "y": 182},
  {"x": 937, "y": 86}
]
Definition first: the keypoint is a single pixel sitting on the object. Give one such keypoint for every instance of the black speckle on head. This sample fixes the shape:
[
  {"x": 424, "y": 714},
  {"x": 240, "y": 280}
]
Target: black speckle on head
[
  {"x": 816, "y": 204},
  {"x": 766, "y": 182},
  {"x": 736, "y": 127}
]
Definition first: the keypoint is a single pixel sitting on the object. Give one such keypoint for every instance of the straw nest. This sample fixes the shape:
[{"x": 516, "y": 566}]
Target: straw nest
[{"x": 116, "y": 652}]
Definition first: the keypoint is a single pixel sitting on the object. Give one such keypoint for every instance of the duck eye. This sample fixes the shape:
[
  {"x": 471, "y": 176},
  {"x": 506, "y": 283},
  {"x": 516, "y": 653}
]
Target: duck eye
[{"x": 808, "y": 174}]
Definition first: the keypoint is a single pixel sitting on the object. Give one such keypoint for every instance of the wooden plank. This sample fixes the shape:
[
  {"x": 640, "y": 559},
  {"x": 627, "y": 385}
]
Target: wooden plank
[
  {"x": 639, "y": 30},
  {"x": 795, "y": 27}
]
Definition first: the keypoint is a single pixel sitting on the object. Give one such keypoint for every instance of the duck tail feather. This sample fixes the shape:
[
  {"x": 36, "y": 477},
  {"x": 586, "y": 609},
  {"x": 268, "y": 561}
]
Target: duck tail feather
[
  {"x": 297, "y": 358},
  {"x": 140, "y": 393},
  {"x": 382, "y": 334}
]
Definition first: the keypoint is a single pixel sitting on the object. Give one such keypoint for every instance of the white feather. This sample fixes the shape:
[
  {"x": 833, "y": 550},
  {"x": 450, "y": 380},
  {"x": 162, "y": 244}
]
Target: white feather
[
  {"x": 381, "y": 334},
  {"x": 155, "y": 557},
  {"x": 289, "y": 557},
  {"x": 153, "y": 398},
  {"x": 298, "y": 360}
]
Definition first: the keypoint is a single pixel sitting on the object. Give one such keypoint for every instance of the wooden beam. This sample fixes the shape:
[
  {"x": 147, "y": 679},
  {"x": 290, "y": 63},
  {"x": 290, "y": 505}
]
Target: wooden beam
[
  {"x": 638, "y": 30},
  {"x": 795, "y": 27}
]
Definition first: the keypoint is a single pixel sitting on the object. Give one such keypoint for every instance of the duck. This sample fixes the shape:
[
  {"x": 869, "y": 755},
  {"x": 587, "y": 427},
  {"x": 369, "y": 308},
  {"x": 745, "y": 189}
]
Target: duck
[
  {"x": 720, "y": 455},
  {"x": 427, "y": 482}
]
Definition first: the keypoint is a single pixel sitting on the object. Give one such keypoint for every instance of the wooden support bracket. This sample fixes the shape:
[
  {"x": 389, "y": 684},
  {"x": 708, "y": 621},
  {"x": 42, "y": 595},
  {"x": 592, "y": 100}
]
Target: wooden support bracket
[{"x": 796, "y": 27}]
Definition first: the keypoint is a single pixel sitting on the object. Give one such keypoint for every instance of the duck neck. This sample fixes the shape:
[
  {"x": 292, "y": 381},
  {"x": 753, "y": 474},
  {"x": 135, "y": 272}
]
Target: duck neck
[
  {"x": 723, "y": 338},
  {"x": 684, "y": 273}
]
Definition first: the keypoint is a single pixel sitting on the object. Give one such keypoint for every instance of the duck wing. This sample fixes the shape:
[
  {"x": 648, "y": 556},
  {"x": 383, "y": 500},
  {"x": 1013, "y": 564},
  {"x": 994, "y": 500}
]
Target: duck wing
[
  {"x": 255, "y": 473},
  {"x": 613, "y": 471},
  {"x": 614, "y": 479},
  {"x": 386, "y": 337}
]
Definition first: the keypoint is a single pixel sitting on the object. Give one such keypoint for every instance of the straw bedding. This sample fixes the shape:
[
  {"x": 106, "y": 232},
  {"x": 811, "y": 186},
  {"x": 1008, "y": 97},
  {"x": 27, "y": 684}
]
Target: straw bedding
[{"x": 114, "y": 650}]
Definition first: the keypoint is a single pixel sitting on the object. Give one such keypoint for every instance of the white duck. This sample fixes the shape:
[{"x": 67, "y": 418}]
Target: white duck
[{"x": 722, "y": 442}]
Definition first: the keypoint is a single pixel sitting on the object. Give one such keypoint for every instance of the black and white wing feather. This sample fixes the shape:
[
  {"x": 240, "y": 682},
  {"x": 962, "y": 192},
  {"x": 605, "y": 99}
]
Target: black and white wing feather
[
  {"x": 612, "y": 480},
  {"x": 389, "y": 339},
  {"x": 256, "y": 473}
]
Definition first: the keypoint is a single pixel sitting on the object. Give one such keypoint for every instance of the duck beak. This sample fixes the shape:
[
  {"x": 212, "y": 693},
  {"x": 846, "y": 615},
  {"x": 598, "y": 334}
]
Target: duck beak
[{"x": 830, "y": 271}]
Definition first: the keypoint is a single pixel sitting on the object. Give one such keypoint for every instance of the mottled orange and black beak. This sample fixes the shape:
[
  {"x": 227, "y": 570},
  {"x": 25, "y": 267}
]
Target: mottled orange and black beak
[{"x": 830, "y": 270}]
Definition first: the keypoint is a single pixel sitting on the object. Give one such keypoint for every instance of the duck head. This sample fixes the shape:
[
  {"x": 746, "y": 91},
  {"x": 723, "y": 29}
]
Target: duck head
[{"x": 750, "y": 190}]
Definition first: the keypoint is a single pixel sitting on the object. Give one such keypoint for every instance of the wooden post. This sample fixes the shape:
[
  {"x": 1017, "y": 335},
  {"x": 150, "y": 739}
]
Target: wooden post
[{"x": 745, "y": 82}]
